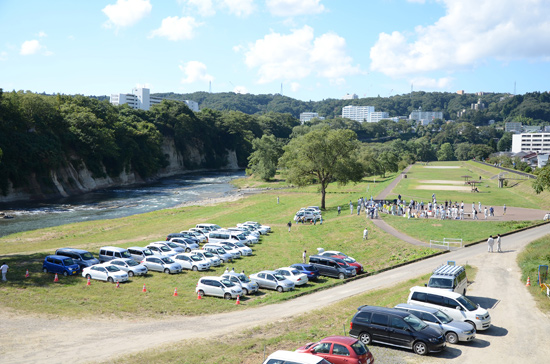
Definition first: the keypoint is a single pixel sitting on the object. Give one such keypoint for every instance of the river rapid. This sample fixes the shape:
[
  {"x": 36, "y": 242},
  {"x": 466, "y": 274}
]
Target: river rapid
[{"x": 118, "y": 202}]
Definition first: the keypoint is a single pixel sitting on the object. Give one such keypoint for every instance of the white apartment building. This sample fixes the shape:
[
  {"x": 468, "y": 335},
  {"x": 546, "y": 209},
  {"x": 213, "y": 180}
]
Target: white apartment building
[
  {"x": 141, "y": 98},
  {"x": 531, "y": 142},
  {"x": 307, "y": 116},
  {"x": 425, "y": 117},
  {"x": 350, "y": 97},
  {"x": 193, "y": 105},
  {"x": 363, "y": 114},
  {"x": 376, "y": 116}
]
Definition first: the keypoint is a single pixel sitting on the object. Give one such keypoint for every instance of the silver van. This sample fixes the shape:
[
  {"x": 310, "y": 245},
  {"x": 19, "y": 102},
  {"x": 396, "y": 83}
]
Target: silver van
[
  {"x": 449, "y": 277},
  {"x": 81, "y": 257},
  {"x": 107, "y": 253},
  {"x": 220, "y": 236},
  {"x": 138, "y": 253}
]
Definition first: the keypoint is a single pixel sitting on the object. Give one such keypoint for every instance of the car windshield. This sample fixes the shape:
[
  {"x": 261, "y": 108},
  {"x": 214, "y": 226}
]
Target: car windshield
[
  {"x": 171, "y": 244},
  {"x": 227, "y": 247},
  {"x": 196, "y": 258},
  {"x": 125, "y": 254},
  {"x": 415, "y": 322},
  {"x": 87, "y": 256},
  {"x": 227, "y": 283},
  {"x": 359, "y": 348},
  {"x": 147, "y": 252},
  {"x": 243, "y": 278},
  {"x": 440, "y": 283},
  {"x": 68, "y": 261},
  {"x": 241, "y": 237},
  {"x": 112, "y": 268},
  {"x": 132, "y": 263},
  {"x": 464, "y": 301},
  {"x": 167, "y": 260},
  {"x": 348, "y": 260},
  {"x": 279, "y": 277},
  {"x": 240, "y": 245},
  {"x": 208, "y": 254},
  {"x": 443, "y": 317},
  {"x": 220, "y": 250},
  {"x": 164, "y": 248}
]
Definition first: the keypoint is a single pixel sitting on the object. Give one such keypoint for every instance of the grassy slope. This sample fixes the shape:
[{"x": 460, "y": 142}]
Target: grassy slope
[{"x": 535, "y": 254}]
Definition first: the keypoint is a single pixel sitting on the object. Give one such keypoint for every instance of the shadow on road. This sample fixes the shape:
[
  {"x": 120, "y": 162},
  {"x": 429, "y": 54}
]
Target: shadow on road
[
  {"x": 484, "y": 302},
  {"x": 496, "y": 331},
  {"x": 476, "y": 343},
  {"x": 450, "y": 352}
]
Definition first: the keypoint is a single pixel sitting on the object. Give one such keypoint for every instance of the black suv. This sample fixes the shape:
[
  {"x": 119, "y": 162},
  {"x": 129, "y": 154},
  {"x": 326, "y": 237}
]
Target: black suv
[
  {"x": 332, "y": 267},
  {"x": 372, "y": 324}
]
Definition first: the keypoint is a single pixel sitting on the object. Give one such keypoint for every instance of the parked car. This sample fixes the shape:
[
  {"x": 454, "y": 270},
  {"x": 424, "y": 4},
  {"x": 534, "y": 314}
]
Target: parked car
[
  {"x": 292, "y": 357},
  {"x": 202, "y": 238},
  {"x": 331, "y": 253},
  {"x": 191, "y": 261},
  {"x": 390, "y": 326},
  {"x": 214, "y": 260},
  {"x": 271, "y": 280},
  {"x": 180, "y": 235},
  {"x": 247, "y": 285},
  {"x": 186, "y": 244},
  {"x": 60, "y": 264},
  {"x": 219, "y": 252},
  {"x": 105, "y": 272},
  {"x": 243, "y": 249},
  {"x": 349, "y": 260},
  {"x": 332, "y": 267},
  {"x": 339, "y": 350},
  {"x": 449, "y": 277},
  {"x": 228, "y": 249},
  {"x": 250, "y": 230},
  {"x": 253, "y": 227},
  {"x": 306, "y": 216},
  {"x": 293, "y": 275},
  {"x": 81, "y": 257},
  {"x": 138, "y": 253},
  {"x": 175, "y": 247},
  {"x": 107, "y": 253},
  {"x": 161, "y": 264},
  {"x": 218, "y": 286},
  {"x": 245, "y": 236},
  {"x": 308, "y": 269},
  {"x": 130, "y": 266},
  {"x": 453, "y": 330},
  {"x": 208, "y": 227},
  {"x": 259, "y": 226},
  {"x": 161, "y": 249}
]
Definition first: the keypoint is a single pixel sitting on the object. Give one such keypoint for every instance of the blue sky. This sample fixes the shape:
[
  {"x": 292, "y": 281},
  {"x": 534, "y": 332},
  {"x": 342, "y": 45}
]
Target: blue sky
[{"x": 317, "y": 49}]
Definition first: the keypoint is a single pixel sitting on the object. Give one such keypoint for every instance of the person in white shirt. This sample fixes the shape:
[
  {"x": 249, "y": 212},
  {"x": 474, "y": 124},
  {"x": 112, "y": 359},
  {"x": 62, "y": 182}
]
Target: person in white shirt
[
  {"x": 498, "y": 244},
  {"x": 4, "y": 269},
  {"x": 490, "y": 243}
]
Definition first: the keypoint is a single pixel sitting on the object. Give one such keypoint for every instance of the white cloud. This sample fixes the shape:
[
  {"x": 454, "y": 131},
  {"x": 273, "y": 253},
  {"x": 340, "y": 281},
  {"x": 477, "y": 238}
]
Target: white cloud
[
  {"x": 470, "y": 33},
  {"x": 297, "y": 55},
  {"x": 242, "y": 8},
  {"x": 3, "y": 56},
  {"x": 30, "y": 47},
  {"x": 175, "y": 28},
  {"x": 240, "y": 90},
  {"x": 417, "y": 1},
  {"x": 290, "y": 8},
  {"x": 126, "y": 12},
  {"x": 194, "y": 71},
  {"x": 204, "y": 7},
  {"x": 295, "y": 86},
  {"x": 432, "y": 83},
  {"x": 41, "y": 34}
]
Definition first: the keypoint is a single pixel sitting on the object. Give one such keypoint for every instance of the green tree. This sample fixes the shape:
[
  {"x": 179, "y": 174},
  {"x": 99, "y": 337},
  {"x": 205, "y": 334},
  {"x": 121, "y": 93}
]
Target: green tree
[
  {"x": 543, "y": 180},
  {"x": 446, "y": 152},
  {"x": 505, "y": 143},
  {"x": 462, "y": 151},
  {"x": 263, "y": 161},
  {"x": 320, "y": 157}
]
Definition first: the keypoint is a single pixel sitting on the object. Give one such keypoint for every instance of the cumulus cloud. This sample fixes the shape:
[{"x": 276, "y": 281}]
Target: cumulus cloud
[
  {"x": 175, "y": 28},
  {"x": 288, "y": 8},
  {"x": 470, "y": 33},
  {"x": 242, "y": 8},
  {"x": 295, "y": 56},
  {"x": 126, "y": 12},
  {"x": 432, "y": 83},
  {"x": 30, "y": 47},
  {"x": 204, "y": 7},
  {"x": 194, "y": 71},
  {"x": 295, "y": 86}
]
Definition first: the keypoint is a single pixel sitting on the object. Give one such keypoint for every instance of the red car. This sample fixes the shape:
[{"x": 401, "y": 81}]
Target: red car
[
  {"x": 340, "y": 350},
  {"x": 355, "y": 264}
]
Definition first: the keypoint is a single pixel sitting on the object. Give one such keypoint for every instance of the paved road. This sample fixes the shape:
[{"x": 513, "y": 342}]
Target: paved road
[{"x": 37, "y": 339}]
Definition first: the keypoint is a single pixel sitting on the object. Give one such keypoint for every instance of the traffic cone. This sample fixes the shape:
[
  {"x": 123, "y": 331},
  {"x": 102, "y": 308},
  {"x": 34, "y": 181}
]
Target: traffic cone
[
  {"x": 144, "y": 289},
  {"x": 117, "y": 284},
  {"x": 528, "y": 282},
  {"x": 175, "y": 292},
  {"x": 89, "y": 283},
  {"x": 56, "y": 279},
  {"x": 238, "y": 300},
  {"x": 27, "y": 275},
  {"x": 199, "y": 296}
]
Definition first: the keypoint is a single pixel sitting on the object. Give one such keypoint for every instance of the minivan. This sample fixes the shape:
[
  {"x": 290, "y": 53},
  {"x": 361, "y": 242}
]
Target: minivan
[
  {"x": 220, "y": 236},
  {"x": 390, "y": 326},
  {"x": 60, "y": 264},
  {"x": 449, "y": 277},
  {"x": 332, "y": 267},
  {"x": 453, "y": 304},
  {"x": 107, "y": 253},
  {"x": 81, "y": 257},
  {"x": 138, "y": 253}
]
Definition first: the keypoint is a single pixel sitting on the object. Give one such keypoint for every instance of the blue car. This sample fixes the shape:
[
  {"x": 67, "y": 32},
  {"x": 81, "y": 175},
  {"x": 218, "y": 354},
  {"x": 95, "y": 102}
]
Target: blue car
[
  {"x": 60, "y": 264},
  {"x": 310, "y": 270}
]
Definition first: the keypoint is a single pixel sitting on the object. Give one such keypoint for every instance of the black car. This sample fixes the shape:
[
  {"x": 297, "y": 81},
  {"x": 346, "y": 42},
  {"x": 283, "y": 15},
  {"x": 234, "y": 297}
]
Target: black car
[
  {"x": 332, "y": 267},
  {"x": 390, "y": 326}
]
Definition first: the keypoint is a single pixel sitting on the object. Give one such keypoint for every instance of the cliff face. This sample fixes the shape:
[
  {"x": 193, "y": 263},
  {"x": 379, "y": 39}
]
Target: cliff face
[{"x": 68, "y": 180}]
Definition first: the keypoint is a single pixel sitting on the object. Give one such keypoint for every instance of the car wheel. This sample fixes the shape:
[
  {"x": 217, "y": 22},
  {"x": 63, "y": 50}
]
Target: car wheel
[
  {"x": 130, "y": 273},
  {"x": 245, "y": 292},
  {"x": 44, "y": 270},
  {"x": 365, "y": 338},
  {"x": 200, "y": 293},
  {"x": 471, "y": 323},
  {"x": 110, "y": 280},
  {"x": 420, "y": 348},
  {"x": 187, "y": 250},
  {"x": 451, "y": 337},
  {"x": 195, "y": 268},
  {"x": 65, "y": 273},
  {"x": 280, "y": 289},
  {"x": 227, "y": 296},
  {"x": 88, "y": 276},
  {"x": 167, "y": 271},
  {"x": 341, "y": 276}
]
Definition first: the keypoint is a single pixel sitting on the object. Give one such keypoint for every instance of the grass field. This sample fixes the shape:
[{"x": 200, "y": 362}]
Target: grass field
[
  {"x": 248, "y": 347},
  {"x": 535, "y": 254}
]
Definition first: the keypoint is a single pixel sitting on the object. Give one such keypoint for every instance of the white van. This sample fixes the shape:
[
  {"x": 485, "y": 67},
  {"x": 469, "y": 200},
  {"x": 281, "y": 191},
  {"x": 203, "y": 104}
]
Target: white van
[
  {"x": 449, "y": 277},
  {"x": 453, "y": 304},
  {"x": 208, "y": 227},
  {"x": 219, "y": 236},
  {"x": 107, "y": 253}
]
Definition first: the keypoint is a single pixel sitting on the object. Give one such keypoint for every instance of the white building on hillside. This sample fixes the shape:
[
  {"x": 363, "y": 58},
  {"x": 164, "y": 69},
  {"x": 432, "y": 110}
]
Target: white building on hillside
[
  {"x": 363, "y": 114},
  {"x": 425, "y": 117},
  {"x": 141, "y": 98},
  {"x": 531, "y": 142},
  {"x": 307, "y": 116},
  {"x": 350, "y": 97}
]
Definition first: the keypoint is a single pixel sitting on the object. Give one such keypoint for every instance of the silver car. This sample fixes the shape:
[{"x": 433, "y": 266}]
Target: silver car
[
  {"x": 161, "y": 264},
  {"x": 243, "y": 249},
  {"x": 130, "y": 266},
  {"x": 453, "y": 330},
  {"x": 248, "y": 286},
  {"x": 272, "y": 280},
  {"x": 198, "y": 235},
  {"x": 218, "y": 286},
  {"x": 161, "y": 249},
  {"x": 186, "y": 244},
  {"x": 191, "y": 261},
  {"x": 214, "y": 260},
  {"x": 105, "y": 272}
]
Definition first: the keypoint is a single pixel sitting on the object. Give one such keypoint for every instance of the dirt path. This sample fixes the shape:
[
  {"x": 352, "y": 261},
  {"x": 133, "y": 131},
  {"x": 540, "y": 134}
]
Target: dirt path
[{"x": 52, "y": 340}]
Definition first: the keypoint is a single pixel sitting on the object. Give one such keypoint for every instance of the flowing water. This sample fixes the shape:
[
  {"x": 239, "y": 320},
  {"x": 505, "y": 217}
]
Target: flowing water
[{"x": 118, "y": 202}]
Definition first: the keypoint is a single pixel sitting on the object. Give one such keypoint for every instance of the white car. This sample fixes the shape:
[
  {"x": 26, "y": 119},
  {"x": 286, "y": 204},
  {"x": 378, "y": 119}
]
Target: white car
[
  {"x": 186, "y": 244},
  {"x": 293, "y": 275},
  {"x": 243, "y": 249},
  {"x": 130, "y": 266},
  {"x": 263, "y": 229},
  {"x": 105, "y": 272},
  {"x": 331, "y": 253},
  {"x": 198, "y": 235},
  {"x": 214, "y": 260},
  {"x": 272, "y": 280},
  {"x": 234, "y": 252},
  {"x": 191, "y": 261},
  {"x": 161, "y": 264},
  {"x": 159, "y": 248},
  {"x": 247, "y": 230}
]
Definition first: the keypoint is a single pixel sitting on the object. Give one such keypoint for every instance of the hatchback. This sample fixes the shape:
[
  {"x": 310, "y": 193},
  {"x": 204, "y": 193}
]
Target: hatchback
[
  {"x": 218, "y": 286},
  {"x": 352, "y": 262},
  {"x": 308, "y": 269},
  {"x": 161, "y": 249},
  {"x": 186, "y": 244},
  {"x": 191, "y": 261},
  {"x": 294, "y": 275},
  {"x": 292, "y": 357},
  {"x": 272, "y": 280},
  {"x": 60, "y": 264},
  {"x": 214, "y": 260},
  {"x": 339, "y": 350},
  {"x": 130, "y": 266},
  {"x": 161, "y": 264},
  {"x": 247, "y": 285},
  {"x": 105, "y": 272}
]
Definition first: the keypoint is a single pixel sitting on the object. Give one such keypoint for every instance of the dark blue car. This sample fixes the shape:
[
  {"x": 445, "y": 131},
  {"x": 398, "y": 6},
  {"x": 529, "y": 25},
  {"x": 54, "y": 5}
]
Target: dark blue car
[
  {"x": 311, "y": 271},
  {"x": 60, "y": 264}
]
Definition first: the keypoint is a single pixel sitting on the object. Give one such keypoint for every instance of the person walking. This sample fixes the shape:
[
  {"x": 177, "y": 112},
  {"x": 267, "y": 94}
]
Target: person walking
[
  {"x": 485, "y": 212},
  {"x": 350, "y": 207},
  {"x": 479, "y": 205},
  {"x": 4, "y": 269},
  {"x": 504, "y": 208},
  {"x": 474, "y": 214},
  {"x": 339, "y": 210},
  {"x": 277, "y": 200},
  {"x": 490, "y": 243},
  {"x": 304, "y": 256},
  {"x": 289, "y": 224},
  {"x": 365, "y": 234},
  {"x": 498, "y": 244}
]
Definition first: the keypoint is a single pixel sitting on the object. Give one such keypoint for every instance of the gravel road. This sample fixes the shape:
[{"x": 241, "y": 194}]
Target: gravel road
[{"x": 520, "y": 332}]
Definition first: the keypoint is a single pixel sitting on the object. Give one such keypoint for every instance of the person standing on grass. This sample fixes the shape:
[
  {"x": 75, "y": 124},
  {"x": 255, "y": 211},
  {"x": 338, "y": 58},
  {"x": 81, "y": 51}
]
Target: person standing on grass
[
  {"x": 289, "y": 225},
  {"x": 4, "y": 269},
  {"x": 339, "y": 210},
  {"x": 350, "y": 207},
  {"x": 498, "y": 244},
  {"x": 504, "y": 208},
  {"x": 485, "y": 212},
  {"x": 490, "y": 243},
  {"x": 365, "y": 234},
  {"x": 304, "y": 256}
]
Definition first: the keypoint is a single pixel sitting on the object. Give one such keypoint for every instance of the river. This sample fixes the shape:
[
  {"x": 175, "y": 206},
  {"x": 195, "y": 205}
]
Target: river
[{"x": 118, "y": 202}]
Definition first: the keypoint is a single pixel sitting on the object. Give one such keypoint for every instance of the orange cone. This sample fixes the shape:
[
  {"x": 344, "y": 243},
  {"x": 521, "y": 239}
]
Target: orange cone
[
  {"x": 238, "y": 300},
  {"x": 56, "y": 279},
  {"x": 89, "y": 283},
  {"x": 199, "y": 296},
  {"x": 175, "y": 292},
  {"x": 117, "y": 284},
  {"x": 144, "y": 289},
  {"x": 27, "y": 275},
  {"x": 528, "y": 282}
]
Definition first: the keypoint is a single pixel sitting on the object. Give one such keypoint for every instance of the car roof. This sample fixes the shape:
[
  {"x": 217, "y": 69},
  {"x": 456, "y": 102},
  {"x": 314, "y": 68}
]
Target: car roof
[
  {"x": 393, "y": 311},
  {"x": 120, "y": 259},
  {"x": 61, "y": 257},
  {"x": 74, "y": 250},
  {"x": 138, "y": 247},
  {"x": 328, "y": 257},
  {"x": 340, "y": 339},
  {"x": 438, "y": 291},
  {"x": 112, "y": 248},
  {"x": 210, "y": 277},
  {"x": 293, "y": 357},
  {"x": 417, "y": 308},
  {"x": 268, "y": 271}
]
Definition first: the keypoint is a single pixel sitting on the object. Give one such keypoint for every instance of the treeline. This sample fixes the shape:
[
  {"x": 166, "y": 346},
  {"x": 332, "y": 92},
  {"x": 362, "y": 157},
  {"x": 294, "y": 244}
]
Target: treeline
[{"x": 39, "y": 133}]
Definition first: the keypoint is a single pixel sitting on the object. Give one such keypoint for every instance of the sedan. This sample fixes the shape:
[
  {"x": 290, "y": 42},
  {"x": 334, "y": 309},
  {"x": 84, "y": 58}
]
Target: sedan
[
  {"x": 243, "y": 249},
  {"x": 248, "y": 286},
  {"x": 130, "y": 266},
  {"x": 272, "y": 280},
  {"x": 355, "y": 264},
  {"x": 214, "y": 260},
  {"x": 185, "y": 243},
  {"x": 191, "y": 261},
  {"x": 161, "y": 264},
  {"x": 308, "y": 269},
  {"x": 339, "y": 350},
  {"x": 105, "y": 272},
  {"x": 294, "y": 275},
  {"x": 197, "y": 235},
  {"x": 160, "y": 249}
]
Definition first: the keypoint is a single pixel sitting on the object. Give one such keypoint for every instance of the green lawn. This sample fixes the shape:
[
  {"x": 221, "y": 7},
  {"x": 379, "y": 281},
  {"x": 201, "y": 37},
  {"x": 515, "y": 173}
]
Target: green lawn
[{"x": 535, "y": 254}]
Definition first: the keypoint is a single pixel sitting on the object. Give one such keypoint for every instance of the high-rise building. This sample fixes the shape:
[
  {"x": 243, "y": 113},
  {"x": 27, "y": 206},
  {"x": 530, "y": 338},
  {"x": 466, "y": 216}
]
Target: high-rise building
[
  {"x": 140, "y": 98},
  {"x": 531, "y": 142}
]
